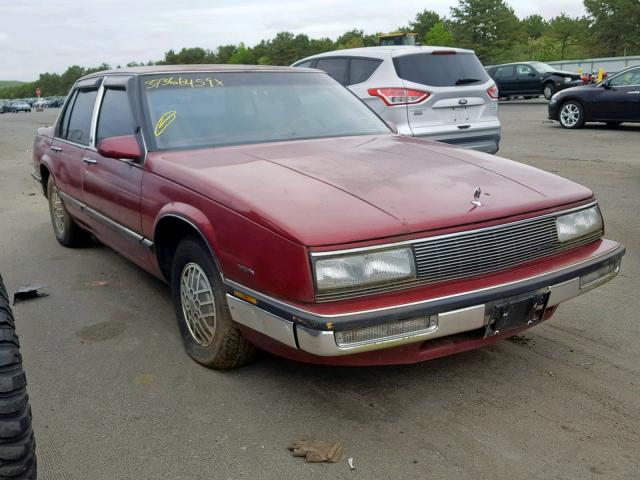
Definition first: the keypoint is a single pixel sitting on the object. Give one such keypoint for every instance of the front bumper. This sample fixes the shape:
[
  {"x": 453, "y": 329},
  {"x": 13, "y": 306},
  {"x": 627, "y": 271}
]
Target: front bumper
[
  {"x": 553, "y": 110},
  {"x": 314, "y": 334}
]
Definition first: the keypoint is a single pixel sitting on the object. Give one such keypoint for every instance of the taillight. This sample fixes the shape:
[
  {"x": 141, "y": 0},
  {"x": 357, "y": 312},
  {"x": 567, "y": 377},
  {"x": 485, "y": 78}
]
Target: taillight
[
  {"x": 492, "y": 91},
  {"x": 399, "y": 96}
]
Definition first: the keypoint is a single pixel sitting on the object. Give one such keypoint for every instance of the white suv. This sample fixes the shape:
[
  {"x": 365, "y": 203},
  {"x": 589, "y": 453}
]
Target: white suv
[{"x": 439, "y": 93}]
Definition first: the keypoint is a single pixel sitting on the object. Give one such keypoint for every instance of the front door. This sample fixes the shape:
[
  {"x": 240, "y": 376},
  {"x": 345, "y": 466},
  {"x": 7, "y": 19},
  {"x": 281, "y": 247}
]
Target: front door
[
  {"x": 529, "y": 81},
  {"x": 112, "y": 187},
  {"x": 621, "y": 100}
]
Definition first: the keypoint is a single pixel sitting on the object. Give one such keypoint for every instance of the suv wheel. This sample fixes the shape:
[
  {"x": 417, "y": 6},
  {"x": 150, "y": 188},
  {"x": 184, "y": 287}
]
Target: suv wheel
[
  {"x": 17, "y": 442},
  {"x": 209, "y": 334},
  {"x": 67, "y": 232},
  {"x": 549, "y": 90},
  {"x": 571, "y": 115}
]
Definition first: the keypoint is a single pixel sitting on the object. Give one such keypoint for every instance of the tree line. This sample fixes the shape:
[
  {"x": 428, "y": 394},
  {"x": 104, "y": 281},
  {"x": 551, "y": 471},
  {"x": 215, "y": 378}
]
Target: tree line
[{"x": 490, "y": 27}]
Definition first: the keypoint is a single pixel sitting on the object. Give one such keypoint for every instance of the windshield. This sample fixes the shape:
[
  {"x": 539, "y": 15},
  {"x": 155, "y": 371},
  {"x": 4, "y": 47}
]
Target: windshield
[
  {"x": 543, "y": 67},
  {"x": 213, "y": 109},
  {"x": 441, "y": 69}
]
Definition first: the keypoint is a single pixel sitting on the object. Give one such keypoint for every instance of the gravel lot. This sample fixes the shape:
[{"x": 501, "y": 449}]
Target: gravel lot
[{"x": 114, "y": 395}]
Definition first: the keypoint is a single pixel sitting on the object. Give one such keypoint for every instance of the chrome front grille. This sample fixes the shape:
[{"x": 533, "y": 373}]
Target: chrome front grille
[{"x": 475, "y": 252}]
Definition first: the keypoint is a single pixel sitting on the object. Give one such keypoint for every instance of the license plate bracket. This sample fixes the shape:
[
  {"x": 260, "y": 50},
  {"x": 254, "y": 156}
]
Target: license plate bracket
[{"x": 516, "y": 313}]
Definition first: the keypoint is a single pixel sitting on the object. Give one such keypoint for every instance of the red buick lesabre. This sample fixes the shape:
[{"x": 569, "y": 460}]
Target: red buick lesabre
[{"x": 287, "y": 216}]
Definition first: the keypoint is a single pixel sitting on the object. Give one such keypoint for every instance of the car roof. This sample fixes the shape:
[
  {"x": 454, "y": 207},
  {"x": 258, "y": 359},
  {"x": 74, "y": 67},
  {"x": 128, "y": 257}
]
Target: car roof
[
  {"x": 387, "y": 51},
  {"x": 155, "y": 69}
]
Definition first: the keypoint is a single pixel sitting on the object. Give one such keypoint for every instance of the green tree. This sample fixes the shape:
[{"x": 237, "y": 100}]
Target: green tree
[
  {"x": 424, "y": 22},
  {"x": 535, "y": 26},
  {"x": 242, "y": 56},
  {"x": 614, "y": 26},
  {"x": 439, "y": 35},
  {"x": 490, "y": 27}
]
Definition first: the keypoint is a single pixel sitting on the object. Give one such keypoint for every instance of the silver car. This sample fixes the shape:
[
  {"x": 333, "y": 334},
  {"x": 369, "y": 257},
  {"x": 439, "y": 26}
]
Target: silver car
[{"x": 439, "y": 93}]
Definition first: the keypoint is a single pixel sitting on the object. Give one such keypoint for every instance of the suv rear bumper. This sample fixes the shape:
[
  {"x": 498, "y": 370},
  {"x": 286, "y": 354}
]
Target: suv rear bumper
[
  {"x": 292, "y": 332},
  {"x": 481, "y": 136}
]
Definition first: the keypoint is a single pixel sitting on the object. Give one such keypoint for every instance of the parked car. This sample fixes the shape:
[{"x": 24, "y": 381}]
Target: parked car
[
  {"x": 19, "y": 106},
  {"x": 4, "y": 106},
  {"x": 531, "y": 79},
  {"x": 436, "y": 93},
  {"x": 17, "y": 441},
  {"x": 286, "y": 215},
  {"x": 614, "y": 101}
]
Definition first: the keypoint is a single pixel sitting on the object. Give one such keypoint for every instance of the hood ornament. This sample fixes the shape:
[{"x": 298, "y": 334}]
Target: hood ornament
[{"x": 476, "y": 197}]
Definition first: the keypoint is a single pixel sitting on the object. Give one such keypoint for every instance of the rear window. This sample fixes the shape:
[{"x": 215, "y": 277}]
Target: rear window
[{"x": 441, "y": 70}]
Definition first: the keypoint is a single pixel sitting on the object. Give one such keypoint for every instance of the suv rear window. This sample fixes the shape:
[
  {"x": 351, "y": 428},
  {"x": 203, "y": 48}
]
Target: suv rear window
[{"x": 441, "y": 70}]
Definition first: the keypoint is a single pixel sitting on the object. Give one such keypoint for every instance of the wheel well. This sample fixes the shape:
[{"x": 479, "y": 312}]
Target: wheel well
[
  {"x": 170, "y": 230},
  {"x": 44, "y": 176}
]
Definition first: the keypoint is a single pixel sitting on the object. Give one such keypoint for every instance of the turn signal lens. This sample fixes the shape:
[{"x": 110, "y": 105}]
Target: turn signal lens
[
  {"x": 386, "y": 332},
  {"x": 492, "y": 91},
  {"x": 399, "y": 96}
]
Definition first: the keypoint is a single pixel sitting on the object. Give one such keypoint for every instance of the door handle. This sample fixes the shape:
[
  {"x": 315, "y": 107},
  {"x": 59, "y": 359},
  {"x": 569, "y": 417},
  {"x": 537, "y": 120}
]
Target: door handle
[
  {"x": 89, "y": 160},
  {"x": 55, "y": 149}
]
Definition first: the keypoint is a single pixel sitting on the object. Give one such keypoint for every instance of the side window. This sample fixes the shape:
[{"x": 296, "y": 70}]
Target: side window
[
  {"x": 306, "y": 64},
  {"x": 361, "y": 69},
  {"x": 631, "y": 77},
  {"x": 63, "y": 126},
  {"x": 80, "y": 120},
  {"x": 115, "y": 116},
  {"x": 524, "y": 70},
  {"x": 336, "y": 67},
  {"x": 505, "y": 72}
]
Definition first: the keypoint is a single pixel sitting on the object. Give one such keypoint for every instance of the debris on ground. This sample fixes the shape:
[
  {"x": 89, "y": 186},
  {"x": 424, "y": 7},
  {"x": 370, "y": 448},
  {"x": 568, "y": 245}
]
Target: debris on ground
[
  {"x": 350, "y": 462},
  {"x": 28, "y": 292},
  {"x": 97, "y": 283},
  {"x": 316, "y": 451}
]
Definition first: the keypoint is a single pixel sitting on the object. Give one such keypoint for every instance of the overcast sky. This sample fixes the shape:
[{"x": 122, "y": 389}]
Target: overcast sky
[{"x": 49, "y": 35}]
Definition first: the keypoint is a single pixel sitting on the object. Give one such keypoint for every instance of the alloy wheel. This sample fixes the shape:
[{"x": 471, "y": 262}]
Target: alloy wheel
[
  {"x": 570, "y": 115},
  {"x": 198, "y": 304}
]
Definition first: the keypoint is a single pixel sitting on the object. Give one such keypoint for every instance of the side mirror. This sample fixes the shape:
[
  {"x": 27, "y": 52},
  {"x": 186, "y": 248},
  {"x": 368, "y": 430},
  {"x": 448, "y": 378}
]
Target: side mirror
[
  {"x": 606, "y": 85},
  {"x": 125, "y": 146},
  {"x": 392, "y": 126}
]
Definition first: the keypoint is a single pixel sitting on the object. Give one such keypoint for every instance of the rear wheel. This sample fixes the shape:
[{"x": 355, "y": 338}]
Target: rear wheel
[
  {"x": 209, "y": 334},
  {"x": 67, "y": 232},
  {"x": 17, "y": 442},
  {"x": 571, "y": 115},
  {"x": 549, "y": 90}
]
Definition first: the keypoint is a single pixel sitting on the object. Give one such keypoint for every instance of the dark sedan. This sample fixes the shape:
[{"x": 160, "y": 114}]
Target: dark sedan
[
  {"x": 531, "y": 79},
  {"x": 19, "y": 106},
  {"x": 613, "y": 101}
]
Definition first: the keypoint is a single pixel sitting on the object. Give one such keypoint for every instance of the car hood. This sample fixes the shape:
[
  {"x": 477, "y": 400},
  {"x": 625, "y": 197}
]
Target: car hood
[
  {"x": 564, "y": 73},
  {"x": 349, "y": 189}
]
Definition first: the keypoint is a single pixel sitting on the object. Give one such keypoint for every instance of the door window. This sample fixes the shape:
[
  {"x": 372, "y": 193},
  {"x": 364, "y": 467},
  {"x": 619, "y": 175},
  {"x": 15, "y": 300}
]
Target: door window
[
  {"x": 524, "y": 70},
  {"x": 628, "y": 78},
  {"x": 79, "y": 127},
  {"x": 336, "y": 67},
  {"x": 63, "y": 126},
  {"x": 505, "y": 72},
  {"x": 306, "y": 64},
  {"x": 115, "y": 117},
  {"x": 361, "y": 69}
]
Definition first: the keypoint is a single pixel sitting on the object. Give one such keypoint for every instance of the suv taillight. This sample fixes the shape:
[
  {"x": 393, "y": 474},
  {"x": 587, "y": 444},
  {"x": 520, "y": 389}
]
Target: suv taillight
[
  {"x": 399, "y": 96},
  {"x": 492, "y": 91}
]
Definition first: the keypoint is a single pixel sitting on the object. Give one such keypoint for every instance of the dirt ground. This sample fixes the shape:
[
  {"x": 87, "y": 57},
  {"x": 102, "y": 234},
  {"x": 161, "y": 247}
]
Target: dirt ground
[{"x": 115, "y": 396}]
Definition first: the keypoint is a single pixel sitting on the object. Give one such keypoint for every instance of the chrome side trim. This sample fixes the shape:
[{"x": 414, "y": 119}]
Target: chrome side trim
[
  {"x": 261, "y": 321},
  {"x": 106, "y": 220},
  {"x": 449, "y": 235},
  {"x": 94, "y": 116},
  {"x": 293, "y": 308},
  {"x": 36, "y": 177}
]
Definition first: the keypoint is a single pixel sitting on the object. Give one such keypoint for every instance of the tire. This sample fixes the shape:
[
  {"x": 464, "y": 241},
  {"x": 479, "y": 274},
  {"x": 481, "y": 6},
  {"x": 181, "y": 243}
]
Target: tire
[
  {"x": 66, "y": 230},
  {"x": 548, "y": 90},
  {"x": 222, "y": 345},
  {"x": 571, "y": 115},
  {"x": 17, "y": 442}
]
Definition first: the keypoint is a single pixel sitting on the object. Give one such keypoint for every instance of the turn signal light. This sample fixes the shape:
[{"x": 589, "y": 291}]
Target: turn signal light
[
  {"x": 399, "y": 96},
  {"x": 492, "y": 91}
]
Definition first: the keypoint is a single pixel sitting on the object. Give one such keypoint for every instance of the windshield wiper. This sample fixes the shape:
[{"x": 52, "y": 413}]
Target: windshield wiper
[{"x": 464, "y": 81}]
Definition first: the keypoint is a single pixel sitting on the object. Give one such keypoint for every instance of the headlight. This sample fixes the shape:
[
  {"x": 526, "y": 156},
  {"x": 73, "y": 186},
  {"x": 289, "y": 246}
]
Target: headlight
[
  {"x": 567, "y": 79},
  {"x": 364, "y": 269},
  {"x": 579, "y": 224}
]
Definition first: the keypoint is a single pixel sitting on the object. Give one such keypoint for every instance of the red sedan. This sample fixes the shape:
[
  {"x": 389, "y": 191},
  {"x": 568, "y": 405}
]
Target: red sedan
[{"x": 287, "y": 216}]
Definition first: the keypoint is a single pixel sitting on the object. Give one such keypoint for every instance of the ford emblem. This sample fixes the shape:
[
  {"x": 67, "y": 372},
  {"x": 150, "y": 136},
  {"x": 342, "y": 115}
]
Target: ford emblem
[{"x": 462, "y": 101}]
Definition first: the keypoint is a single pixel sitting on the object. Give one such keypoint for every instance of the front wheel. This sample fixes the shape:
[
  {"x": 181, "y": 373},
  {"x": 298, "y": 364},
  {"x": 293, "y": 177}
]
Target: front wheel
[
  {"x": 209, "y": 334},
  {"x": 549, "y": 90},
  {"x": 571, "y": 115}
]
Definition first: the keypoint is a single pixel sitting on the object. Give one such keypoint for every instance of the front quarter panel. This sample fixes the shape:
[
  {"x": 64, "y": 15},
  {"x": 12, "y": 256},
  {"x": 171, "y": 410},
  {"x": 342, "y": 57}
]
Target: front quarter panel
[{"x": 246, "y": 252}]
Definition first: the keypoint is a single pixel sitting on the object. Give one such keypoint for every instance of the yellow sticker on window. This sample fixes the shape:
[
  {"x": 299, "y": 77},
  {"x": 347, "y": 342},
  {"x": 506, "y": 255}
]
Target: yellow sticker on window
[{"x": 164, "y": 121}]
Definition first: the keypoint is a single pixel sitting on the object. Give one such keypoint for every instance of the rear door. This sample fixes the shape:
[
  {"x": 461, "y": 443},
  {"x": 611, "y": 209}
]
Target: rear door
[
  {"x": 456, "y": 84},
  {"x": 506, "y": 80},
  {"x": 112, "y": 187},
  {"x": 72, "y": 135}
]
